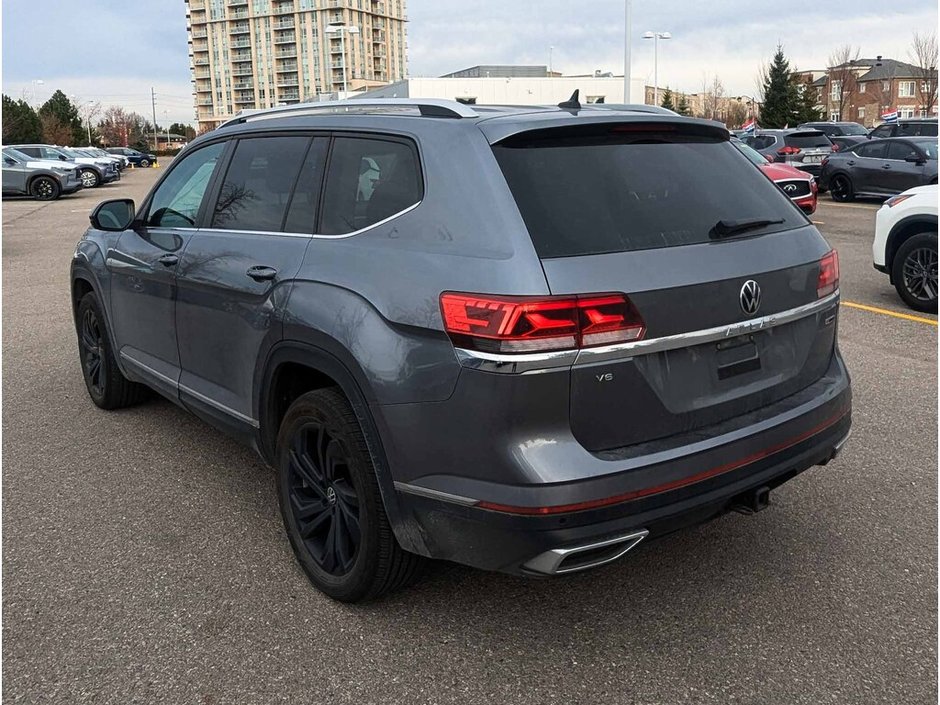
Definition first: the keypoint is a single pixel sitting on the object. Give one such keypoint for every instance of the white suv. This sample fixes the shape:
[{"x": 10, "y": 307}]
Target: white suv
[{"x": 905, "y": 246}]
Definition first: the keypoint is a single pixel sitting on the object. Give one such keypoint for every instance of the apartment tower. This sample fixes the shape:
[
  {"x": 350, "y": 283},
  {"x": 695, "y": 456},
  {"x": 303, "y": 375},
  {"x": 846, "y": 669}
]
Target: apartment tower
[{"x": 261, "y": 53}]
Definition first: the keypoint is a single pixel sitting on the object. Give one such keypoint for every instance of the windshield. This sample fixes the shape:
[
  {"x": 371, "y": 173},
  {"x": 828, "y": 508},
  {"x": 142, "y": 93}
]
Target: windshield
[
  {"x": 928, "y": 148},
  {"x": 853, "y": 128},
  {"x": 17, "y": 154},
  {"x": 750, "y": 152},
  {"x": 605, "y": 188},
  {"x": 70, "y": 152},
  {"x": 806, "y": 140}
]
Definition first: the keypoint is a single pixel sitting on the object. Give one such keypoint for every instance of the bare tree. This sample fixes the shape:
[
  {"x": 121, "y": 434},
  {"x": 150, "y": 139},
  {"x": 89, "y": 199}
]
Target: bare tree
[
  {"x": 54, "y": 131},
  {"x": 713, "y": 91},
  {"x": 923, "y": 54},
  {"x": 842, "y": 72}
]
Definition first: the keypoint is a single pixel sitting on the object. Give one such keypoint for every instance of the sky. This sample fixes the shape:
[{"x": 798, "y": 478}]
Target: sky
[{"x": 115, "y": 51}]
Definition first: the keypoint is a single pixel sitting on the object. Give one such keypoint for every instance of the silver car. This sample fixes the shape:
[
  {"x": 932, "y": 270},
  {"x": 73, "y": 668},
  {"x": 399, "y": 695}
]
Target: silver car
[{"x": 43, "y": 180}]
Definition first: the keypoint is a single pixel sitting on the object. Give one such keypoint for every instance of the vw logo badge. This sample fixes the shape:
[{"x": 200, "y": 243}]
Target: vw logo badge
[
  {"x": 330, "y": 495},
  {"x": 750, "y": 297}
]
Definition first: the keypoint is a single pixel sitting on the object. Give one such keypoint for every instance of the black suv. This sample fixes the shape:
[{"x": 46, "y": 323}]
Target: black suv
[
  {"x": 524, "y": 339},
  {"x": 845, "y": 135},
  {"x": 908, "y": 127},
  {"x": 134, "y": 156}
]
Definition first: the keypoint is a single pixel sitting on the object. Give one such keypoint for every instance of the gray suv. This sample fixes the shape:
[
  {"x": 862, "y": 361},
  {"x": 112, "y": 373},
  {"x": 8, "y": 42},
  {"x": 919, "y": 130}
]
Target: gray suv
[{"x": 523, "y": 339}]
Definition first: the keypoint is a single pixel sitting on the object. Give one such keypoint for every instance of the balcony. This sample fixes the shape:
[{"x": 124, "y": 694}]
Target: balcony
[
  {"x": 286, "y": 38},
  {"x": 283, "y": 24},
  {"x": 243, "y": 71},
  {"x": 238, "y": 15},
  {"x": 201, "y": 47},
  {"x": 241, "y": 57},
  {"x": 197, "y": 5},
  {"x": 203, "y": 87},
  {"x": 284, "y": 9},
  {"x": 379, "y": 53},
  {"x": 336, "y": 18},
  {"x": 237, "y": 3},
  {"x": 378, "y": 36},
  {"x": 200, "y": 34},
  {"x": 240, "y": 44},
  {"x": 286, "y": 68},
  {"x": 245, "y": 99},
  {"x": 202, "y": 74},
  {"x": 378, "y": 8},
  {"x": 204, "y": 101},
  {"x": 288, "y": 95},
  {"x": 286, "y": 54},
  {"x": 336, "y": 46},
  {"x": 239, "y": 29},
  {"x": 244, "y": 86},
  {"x": 201, "y": 61}
]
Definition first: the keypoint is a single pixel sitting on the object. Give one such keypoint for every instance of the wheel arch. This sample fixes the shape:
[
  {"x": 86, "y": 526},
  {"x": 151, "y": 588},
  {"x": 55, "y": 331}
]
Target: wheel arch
[
  {"x": 903, "y": 230},
  {"x": 32, "y": 179},
  {"x": 293, "y": 368}
]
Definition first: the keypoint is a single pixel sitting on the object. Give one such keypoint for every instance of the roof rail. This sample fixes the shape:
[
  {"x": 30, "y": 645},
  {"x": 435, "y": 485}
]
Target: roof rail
[{"x": 429, "y": 107}]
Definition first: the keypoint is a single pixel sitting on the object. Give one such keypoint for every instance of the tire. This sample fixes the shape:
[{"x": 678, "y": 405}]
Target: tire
[
  {"x": 914, "y": 272},
  {"x": 106, "y": 384},
  {"x": 329, "y": 497},
  {"x": 45, "y": 188},
  {"x": 90, "y": 178},
  {"x": 841, "y": 189},
  {"x": 144, "y": 163}
]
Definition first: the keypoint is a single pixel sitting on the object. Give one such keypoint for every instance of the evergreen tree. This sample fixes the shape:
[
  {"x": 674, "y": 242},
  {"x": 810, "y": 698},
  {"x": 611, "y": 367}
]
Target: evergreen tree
[
  {"x": 20, "y": 122},
  {"x": 60, "y": 110},
  {"x": 667, "y": 99},
  {"x": 805, "y": 104},
  {"x": 780, "y": 94},
  {"x": 683, "y": 107}
]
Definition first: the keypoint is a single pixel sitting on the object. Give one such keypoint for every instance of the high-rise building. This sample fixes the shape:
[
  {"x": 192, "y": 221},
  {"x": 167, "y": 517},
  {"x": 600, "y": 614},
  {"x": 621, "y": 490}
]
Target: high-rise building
[{"x": 262, "y": 53}]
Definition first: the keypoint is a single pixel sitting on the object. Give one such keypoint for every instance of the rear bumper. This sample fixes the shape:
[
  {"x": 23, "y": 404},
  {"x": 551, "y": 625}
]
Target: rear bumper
[{"x": 521, "y": 528}]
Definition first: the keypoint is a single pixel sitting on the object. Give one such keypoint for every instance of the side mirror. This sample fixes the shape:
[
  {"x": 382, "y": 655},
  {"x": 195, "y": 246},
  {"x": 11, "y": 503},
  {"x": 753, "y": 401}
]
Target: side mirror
[
  {"x": 115, "y": 215},
  {"x": 63, "y": 158},
  {"x": 915, "y": 159},
  {"x": 9, "y": 161}
]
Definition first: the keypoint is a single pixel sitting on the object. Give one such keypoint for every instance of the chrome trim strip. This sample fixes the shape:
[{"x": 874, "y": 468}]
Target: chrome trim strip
[
  {"x": 149, "y": 370},
  {"x": 434, "y": 494},
  {"x": 183, "y": 388},
  {"x": 539, "y": 362},
  {"x": 220, "y": 406},
  {"x": 524, "y": 363},
  {"x": 708, "y": 335},
  {"x": 548, "y": 562}
]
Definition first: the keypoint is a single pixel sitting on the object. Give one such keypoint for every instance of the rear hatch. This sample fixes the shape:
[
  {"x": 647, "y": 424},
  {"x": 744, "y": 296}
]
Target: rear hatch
[
  {"x": 676, "y": 218},
  {"x": 806, "y": 149}
]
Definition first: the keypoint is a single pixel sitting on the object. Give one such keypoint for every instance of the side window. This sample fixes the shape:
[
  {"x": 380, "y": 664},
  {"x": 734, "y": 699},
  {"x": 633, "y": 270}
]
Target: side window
[
  {"x": 258, "y": 184},
  {"x": 883, "y": 131},
  {"x": 908, "y": 129},
  {"x": 901, "y": 151},
  {"x": 764, "y": 141},
  {"x": 873, "y": 150},
  {"x": 302, "y": 213},
  {"x": 50, "y": 153},
  {"x": 368, "y": 181},
  {"x": 177, "y": 200}
]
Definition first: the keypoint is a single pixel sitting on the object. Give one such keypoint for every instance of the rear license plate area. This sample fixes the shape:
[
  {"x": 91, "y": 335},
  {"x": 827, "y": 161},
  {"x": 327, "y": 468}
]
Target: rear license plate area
[{"x": 737, "y": 356}]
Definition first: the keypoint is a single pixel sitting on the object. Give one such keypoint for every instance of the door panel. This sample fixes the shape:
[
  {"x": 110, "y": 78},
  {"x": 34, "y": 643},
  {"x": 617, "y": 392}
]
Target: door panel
[
  {"x": 902, "y": 174},
  {"x": 867, "y": 172}
]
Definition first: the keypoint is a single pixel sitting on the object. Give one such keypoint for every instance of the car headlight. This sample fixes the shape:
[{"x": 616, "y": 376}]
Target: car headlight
[{"x": 895, "y": 200}]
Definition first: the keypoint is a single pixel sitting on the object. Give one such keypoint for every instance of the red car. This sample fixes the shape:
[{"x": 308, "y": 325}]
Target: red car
[{"x": 797, "y": 184}]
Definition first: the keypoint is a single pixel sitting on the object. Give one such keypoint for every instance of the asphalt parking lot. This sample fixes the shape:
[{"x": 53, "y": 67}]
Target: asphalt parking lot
[{"x": 144, "y": 560}]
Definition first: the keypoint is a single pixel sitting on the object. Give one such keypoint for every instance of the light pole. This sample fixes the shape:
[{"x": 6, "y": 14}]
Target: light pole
[
  {"x": 656, "y": 36},
  {"x": 342, "y": 30},
  {"x": 167, "y": 121},
  {"x": 551, "y": 50}
]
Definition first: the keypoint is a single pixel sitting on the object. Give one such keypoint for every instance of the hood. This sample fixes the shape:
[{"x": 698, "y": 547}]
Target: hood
[
  {"x": 51, "y": 164},
  {"x": 780, "y": 172}
]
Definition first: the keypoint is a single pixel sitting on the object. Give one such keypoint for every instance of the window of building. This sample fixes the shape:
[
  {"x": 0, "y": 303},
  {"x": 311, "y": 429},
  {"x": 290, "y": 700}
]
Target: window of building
[
  {"x": 906, "y": 89},
  {"x": 835, "y": 116},
  {"x": 467, "y": 100},
  {"x": 886, "y": 86},
  {"x": 368, "y": 181},
  {"x": 862, "y": 87},
  {"x": 861, "y": 113},
  {"x": 595, "y": 99},
  {"x": 259, "y": 182},
  {"x": 176, "y": 202},
  {"x": 836, "y": 90},
  {"x": 906, "y": 112}
]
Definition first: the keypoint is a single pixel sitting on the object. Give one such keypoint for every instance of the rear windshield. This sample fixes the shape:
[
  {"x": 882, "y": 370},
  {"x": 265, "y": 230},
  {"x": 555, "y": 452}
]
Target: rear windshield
[
  {"x": 853, "y": 129},
  {"x": 606, "y": 191},
  {"x": 804, "y": 140}
]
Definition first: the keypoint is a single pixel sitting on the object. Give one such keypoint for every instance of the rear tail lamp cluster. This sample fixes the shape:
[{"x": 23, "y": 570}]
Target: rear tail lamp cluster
[
  {"x": 523, "y": 324},
  {"x": 828, "y": 274},
  {"x": 788, "y": 150}
]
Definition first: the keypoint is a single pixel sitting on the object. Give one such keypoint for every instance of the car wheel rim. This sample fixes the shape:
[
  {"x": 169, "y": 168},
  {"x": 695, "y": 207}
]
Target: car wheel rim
[
  {"x": 920, "y": 274},
  {"x": 323, "y": 499},
  {"x": 88, "y": 179},
  {"x": 92, "y": 352},
  {"x": 839, "y": 189},
  {"x": 44, "y": 189}
]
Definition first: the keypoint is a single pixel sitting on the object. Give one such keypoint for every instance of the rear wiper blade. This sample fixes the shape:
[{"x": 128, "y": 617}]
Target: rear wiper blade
[{"x": 727, "y": 228}]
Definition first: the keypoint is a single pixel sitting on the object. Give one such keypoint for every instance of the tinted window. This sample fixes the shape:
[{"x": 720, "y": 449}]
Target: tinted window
[
  {"x": 368, "y": 181},
  {"x": 872, "y": 150},
  {"x": 761, "y": 141},
  {"x": 258, "y": 184},
  {"x": 882, "y": 131},
  {"x": 902, "y": 150},
  {"x": 593, "y": 191},
  {"x": 917, "y": 129},
  {"x": 854, "y": 129},
  {"x": 176, "y": 201},
  {"x": 928, "y": 148},
  {"x": 806, "y": 140},
  {"x": 302, "y": 213},
  {"x": 751, "y": 153}
]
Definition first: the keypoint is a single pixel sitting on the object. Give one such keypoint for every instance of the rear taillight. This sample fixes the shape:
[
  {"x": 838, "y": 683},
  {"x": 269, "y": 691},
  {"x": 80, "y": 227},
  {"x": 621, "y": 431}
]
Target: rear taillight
[
  {"x": 828, "y": 274},
  {"x": 521, "y": 324},
  {"x": 788, "y": 150}
]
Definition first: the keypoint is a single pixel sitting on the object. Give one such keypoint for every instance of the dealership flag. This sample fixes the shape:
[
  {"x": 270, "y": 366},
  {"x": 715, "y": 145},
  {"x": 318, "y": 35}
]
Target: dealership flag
[
  {"x": 749, "y": 126},
  {"x": 890, "y": 116}
]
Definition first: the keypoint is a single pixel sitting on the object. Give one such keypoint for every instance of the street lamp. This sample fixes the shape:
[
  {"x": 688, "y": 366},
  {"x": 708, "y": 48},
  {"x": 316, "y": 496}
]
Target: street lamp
[
  {"x": 342, "y": 30},
  {"x": 627, "y": 37},
  {"x": 656, "y": 36}
]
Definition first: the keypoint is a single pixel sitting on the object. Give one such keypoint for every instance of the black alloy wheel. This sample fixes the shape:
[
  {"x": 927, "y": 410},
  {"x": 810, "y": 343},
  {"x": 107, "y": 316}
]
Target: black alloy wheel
[
  {"x": 92, "y": 351},
  {"x": 841, "y": 188},
  {"x": 44, "y": 188}
]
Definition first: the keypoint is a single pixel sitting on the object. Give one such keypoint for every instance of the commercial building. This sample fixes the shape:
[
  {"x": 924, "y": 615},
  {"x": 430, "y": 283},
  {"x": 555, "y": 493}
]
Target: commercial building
[{"x": 248, "y": 54}]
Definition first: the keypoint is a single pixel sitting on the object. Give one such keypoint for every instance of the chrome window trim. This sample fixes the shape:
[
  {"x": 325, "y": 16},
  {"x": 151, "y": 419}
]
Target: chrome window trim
[{"x": 540, "y": 362}]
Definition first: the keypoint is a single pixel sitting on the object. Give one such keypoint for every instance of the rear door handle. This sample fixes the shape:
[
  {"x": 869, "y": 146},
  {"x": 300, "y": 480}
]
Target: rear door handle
[
  {"x": 261, "y": 273},
  {"x": 885, "y": 166},
  {"x": 169, "y": 260},
  {"x": 851, "y": 162}
]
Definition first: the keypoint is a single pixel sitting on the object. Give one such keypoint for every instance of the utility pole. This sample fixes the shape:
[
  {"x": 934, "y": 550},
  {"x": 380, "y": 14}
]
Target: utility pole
[
  {"x": 153, "y": 105},
  {"x": 628, "y": 32},
  {"x": 167, "y": 121}
]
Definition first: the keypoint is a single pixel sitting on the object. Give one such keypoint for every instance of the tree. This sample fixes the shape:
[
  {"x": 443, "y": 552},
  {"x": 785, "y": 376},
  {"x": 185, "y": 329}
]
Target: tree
[
  {"x": 737, "y": 114},
  {"x": 61, "y": 116},
  {"x": 667, "y": 99},
  {"x": 843, "y": 81},
  {"x": 713, "y": 92},
  {"x": 780, "y": 94},
  {"x": 683, "y": 107},
  {"x": 54, "y": 131},
  {"x": 119, "y": 127},
  {"x": 178, "y": 128},
  {"x": 923, "y": 54},
  {"x": 20, "y": 122},
  {"x": 805, "y": 109}
]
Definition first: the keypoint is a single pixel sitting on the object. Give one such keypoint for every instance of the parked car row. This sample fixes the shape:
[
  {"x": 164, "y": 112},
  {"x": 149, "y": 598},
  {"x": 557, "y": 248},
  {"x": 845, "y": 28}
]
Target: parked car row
[
  {"x": 135, "y": 157},
  {"x": 797, "y": 184},
  {"x": 880, "y": 167}
]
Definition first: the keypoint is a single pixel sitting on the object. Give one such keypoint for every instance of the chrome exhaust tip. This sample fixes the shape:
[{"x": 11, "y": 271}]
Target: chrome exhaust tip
[{"x": 558, "y": 561}]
